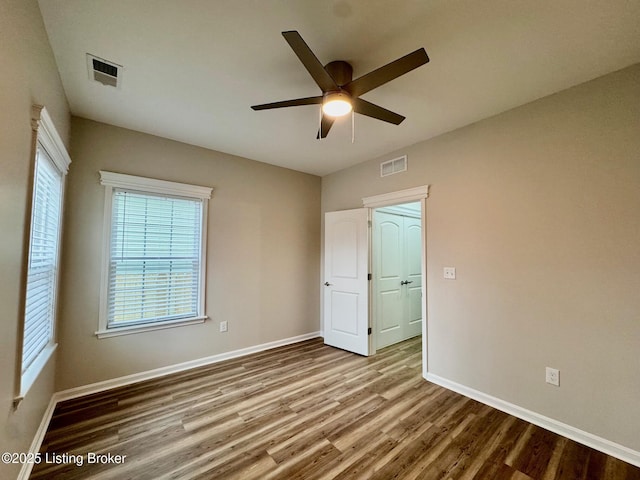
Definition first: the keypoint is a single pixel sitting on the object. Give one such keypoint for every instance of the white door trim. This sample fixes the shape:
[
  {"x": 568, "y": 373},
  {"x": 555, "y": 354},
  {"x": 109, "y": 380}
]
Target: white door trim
[
  {"x": 408, "y": 195},
  {"x": 394, "y": 198}
]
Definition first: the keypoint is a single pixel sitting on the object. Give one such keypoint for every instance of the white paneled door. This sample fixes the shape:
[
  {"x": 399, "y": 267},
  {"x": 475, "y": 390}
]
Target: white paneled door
[
  {"x": 413, "y": 271},
  {"x": 397, "y": 247},
  {"x": 346, "y": 269}
]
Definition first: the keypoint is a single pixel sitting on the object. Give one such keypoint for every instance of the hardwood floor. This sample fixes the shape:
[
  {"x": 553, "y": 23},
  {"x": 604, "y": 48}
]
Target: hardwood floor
[{"x": 307, "y": 411}]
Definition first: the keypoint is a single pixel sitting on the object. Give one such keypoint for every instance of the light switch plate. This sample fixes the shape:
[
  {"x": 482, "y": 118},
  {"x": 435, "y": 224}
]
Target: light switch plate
[{"x": 450, "y": 273}]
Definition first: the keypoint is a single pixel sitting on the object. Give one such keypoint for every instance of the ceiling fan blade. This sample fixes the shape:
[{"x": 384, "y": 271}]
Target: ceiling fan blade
[
  {"x": 325, "y": 126},
  {"x": 310, "y": 61},
  {"x": 374, "y": 111},
  {"x": 289, "y": 103},
  {"x": 387, "y": 73}
]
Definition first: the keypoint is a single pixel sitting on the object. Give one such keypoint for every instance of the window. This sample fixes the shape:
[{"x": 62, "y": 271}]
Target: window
[
  {"x": 154, "y": 260},
  {"x": 50, "y": 167}
]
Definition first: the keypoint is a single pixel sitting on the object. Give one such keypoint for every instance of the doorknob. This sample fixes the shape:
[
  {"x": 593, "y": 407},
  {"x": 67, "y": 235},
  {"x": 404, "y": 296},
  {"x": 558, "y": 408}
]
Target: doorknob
[
  {"x": 327, "y": 284},
  {"x": 406, "y": 282}
]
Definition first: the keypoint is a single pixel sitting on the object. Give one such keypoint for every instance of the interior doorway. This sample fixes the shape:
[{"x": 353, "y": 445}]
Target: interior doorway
[
  {"x": 396, "y": 264},
  {"x": 420, "y": 195},
  {"x": 347, "y": 312}
]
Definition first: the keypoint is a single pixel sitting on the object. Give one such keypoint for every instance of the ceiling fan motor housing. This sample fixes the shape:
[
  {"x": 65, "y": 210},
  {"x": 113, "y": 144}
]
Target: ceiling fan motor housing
[
  {"x": 340, "y": 71},
  {"x": 338, "y": 103}
]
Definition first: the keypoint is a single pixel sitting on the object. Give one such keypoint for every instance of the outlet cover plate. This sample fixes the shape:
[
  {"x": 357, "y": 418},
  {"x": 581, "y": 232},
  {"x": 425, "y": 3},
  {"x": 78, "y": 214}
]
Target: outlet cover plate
[
  {"x": 450, "y": 273},
  {"x": 553, "y": 376}
]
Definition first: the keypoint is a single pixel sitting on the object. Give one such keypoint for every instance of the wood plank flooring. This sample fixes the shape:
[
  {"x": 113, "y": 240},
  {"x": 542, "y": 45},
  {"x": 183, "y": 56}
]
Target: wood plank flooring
[{"x": 307, "y": 411}]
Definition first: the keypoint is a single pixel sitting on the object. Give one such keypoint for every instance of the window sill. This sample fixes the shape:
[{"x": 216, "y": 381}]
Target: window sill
[
  {"x": 116, "y": 332},
  {"x": 29, "y": 377}
]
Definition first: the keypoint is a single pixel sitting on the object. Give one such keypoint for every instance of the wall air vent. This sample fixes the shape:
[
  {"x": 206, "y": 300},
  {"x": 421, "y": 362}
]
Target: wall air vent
[
  {"x": 103, "y": 71},
  {"x": 396, "y": 165}
]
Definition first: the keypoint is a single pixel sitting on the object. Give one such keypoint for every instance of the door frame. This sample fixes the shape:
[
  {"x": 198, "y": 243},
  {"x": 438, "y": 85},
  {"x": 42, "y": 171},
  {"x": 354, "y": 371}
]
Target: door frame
[{"x": 416, "y": 194}]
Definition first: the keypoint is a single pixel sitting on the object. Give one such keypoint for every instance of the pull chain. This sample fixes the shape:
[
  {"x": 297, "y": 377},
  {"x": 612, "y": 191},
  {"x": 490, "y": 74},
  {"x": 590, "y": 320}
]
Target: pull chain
[{"x": 353, "y": 127}]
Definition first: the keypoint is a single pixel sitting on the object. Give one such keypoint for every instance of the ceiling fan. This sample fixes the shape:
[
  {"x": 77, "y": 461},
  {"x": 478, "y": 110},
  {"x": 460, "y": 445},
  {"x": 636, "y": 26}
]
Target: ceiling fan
[{"x": 340, "y": 93}]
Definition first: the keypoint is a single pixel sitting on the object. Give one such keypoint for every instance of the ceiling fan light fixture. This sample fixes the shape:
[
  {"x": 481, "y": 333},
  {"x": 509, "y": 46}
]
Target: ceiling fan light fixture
[
  {"x": 340, "y": 92},
  {"x": 336, "y": 104}
]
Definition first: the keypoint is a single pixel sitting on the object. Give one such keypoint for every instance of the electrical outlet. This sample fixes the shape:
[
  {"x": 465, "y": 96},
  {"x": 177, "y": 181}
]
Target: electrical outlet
[
  {"x": 553, "y": 376},
  {"x": 450, "y": 273},
  {"x": 223, "y": 326}
]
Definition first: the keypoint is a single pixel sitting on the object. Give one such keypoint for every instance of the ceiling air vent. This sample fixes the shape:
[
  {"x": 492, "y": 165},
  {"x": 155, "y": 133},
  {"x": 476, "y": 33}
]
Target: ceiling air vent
[
  {"x": 103, "y": 71},
  {"x": 396, "y": 165}
]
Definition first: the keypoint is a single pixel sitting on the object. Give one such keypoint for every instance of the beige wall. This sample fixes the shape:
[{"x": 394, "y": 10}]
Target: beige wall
[
  {"x": 539, "y": 210},
  {"x": 29, "y": 76},
  {"x": 262, "y": 262}
]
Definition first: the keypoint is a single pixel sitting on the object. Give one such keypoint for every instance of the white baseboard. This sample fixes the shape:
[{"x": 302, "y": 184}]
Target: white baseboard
[
  {"x": 25, "y": 471},
  {"x": 138, "y": 377},
  {"x": 598, "y": 443}
]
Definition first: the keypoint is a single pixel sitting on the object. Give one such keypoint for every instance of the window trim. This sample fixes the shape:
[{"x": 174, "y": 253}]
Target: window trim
[
  {"x": 45, "y": 136},
  {"x": 111, "y": 180}
]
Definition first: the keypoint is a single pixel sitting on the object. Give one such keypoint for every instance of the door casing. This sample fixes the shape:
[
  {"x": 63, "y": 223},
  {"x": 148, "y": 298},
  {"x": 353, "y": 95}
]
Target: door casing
[{"x": 416, "y": 194}]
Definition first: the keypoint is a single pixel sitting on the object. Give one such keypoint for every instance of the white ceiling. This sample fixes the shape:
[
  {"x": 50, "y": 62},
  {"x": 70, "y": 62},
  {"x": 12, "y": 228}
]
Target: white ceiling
[{"x": 193, "y": 68}]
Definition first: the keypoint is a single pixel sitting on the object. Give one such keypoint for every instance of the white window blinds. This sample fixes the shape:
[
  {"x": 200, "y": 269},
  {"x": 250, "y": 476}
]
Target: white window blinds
[
  {"x": 43, "y": 258},
  {"x": 155, "y": 258}
]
